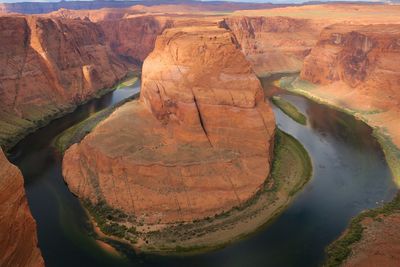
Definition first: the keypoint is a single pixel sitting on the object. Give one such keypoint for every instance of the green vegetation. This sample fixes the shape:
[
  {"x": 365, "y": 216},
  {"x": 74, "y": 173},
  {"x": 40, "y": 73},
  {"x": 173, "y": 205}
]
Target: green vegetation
[
  {"x": 77, "y": 132},
  {"x": 338, "y": 251},
  {"x": 110, "y": 220},
  {"x": 226, "y": 227},
  {"x": 215, "y": 231},
  {"x": 289, "y": 110},
  {"x": 14, "y": 128},
  {"x": 127, "y": 83},
  {"x": 290, "y": 152},
  {"x": 392, "y": 153}
]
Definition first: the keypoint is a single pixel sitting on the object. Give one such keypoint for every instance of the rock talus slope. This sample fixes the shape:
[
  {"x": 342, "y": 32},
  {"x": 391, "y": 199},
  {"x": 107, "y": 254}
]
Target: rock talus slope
[
  {"x": 18, "y": 239},
  {"x": 198, "y": 142},
  {"x": 47, "y": 66}
]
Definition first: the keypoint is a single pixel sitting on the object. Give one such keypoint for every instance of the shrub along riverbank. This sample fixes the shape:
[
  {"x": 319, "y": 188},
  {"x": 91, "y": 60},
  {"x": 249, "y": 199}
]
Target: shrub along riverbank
[
  {"x": 289, "y": 110},
  {"x": 217, "y": 231}
]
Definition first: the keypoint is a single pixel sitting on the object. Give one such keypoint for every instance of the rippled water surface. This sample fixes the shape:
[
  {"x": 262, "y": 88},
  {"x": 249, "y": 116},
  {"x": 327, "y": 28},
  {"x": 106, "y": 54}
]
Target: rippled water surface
[{"x": 350, "y": 175}]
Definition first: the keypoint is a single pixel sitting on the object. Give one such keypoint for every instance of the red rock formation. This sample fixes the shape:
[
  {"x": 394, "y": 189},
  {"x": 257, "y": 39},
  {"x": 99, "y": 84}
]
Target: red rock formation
[
  {"x": 355, "y": 67},
  {"x": 274, "y": 44},
  {"x": 197, "y": 143},
  {"x": 134, "y": 38},
  {"x": 18, "y": 240},
  {"x": 356, "y": 55},
  {"x": 49, "y": 65}
]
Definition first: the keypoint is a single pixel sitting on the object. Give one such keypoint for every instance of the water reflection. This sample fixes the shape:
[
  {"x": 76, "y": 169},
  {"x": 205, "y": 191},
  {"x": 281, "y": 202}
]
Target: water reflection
[{"x": 349, "y": 175}]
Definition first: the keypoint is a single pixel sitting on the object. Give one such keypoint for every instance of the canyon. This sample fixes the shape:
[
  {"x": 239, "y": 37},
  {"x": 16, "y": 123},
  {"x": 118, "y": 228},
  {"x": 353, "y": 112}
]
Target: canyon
[
  {"x": 200, "y": 140},
  {"x": 18, "y": 238},
  {"x": 349, "y": 68},
  {"x": 353, "y": 68}
]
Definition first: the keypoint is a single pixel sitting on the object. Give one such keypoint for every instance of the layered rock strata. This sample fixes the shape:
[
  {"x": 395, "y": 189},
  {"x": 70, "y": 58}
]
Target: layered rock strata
[
  {"x": 18, "y": 239},
  {"x": 355, "y": 66},
  {"x": 48, "y": 66},
  {"x": 198, "y": 142},
  {"x": 274, "y": 44}
]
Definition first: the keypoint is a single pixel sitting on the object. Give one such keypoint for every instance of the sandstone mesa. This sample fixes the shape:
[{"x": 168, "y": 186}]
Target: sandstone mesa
[{"x": 180, "y": 154}]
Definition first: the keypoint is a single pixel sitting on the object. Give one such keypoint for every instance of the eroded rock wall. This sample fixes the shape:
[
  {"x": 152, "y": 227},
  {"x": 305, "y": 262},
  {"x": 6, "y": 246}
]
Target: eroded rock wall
[
  {"x": 274, "y": 44},
  {"x": 47, "y": 66},
  {"x": 18, "y": 238},
  {"x": 359, "y": 55}
]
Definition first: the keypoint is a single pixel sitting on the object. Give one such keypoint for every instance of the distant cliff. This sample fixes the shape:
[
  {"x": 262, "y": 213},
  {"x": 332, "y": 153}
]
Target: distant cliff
[
  {"x": 274, "y": 44},
  {"x": 40, "y": 8}
]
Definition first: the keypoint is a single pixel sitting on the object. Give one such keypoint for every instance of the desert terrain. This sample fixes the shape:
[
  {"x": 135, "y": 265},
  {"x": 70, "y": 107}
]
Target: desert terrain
[{"x": 200, "y": 140}]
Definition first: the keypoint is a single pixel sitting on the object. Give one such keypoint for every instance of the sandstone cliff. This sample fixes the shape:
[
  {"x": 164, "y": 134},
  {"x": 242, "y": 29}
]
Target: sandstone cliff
[
  {"x": 18, "y": 240},
  {"x": 47, "y": 66},
  {"x": 134, "y": 38},
  {"x": 355, "y": 66},
  {"x": 274, "y": 44},
  {"x": 197, "y": 143}
]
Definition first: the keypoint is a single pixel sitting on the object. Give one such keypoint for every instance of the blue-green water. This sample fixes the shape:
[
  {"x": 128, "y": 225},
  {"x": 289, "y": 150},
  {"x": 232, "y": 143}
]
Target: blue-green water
[{"x": 350, "y": 175}]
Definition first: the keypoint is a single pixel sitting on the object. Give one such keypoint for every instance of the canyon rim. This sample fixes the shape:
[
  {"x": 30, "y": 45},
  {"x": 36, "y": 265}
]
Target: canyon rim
[{"x": 186, "y": 130}]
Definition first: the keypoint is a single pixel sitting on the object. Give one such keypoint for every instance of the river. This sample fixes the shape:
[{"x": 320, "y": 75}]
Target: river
[{"x": 350, "y": 174}]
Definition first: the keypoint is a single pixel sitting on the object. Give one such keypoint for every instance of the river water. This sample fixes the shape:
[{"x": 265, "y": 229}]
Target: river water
[{"x": 349, "y": 175}]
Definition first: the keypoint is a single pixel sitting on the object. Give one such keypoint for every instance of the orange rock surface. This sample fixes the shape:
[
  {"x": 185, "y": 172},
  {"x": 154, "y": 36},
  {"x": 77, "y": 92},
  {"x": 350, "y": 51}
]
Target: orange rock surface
[
  {"x": 278, "y": 39},
  {"x": 274, "y": 44},
  {"x": 380, "y": 243},
  {"x": 355, "y": 66},
  {"x": 18, "y": 239},
  {"x": 47, "y": 66},
  {"x": 198, "y": 142}
]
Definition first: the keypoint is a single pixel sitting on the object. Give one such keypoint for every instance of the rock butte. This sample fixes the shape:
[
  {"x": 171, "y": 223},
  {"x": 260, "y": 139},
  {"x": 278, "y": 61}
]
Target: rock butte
[
  {"x": 18, "y": 240},
  {"x": 198, "y": 142}
]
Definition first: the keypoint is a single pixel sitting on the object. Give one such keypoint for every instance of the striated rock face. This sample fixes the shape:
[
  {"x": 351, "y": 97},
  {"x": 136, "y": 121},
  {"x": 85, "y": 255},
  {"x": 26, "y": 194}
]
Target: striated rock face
[
  {"x": 274, "y": 44},
  {"x": 47, "y": 66},
  {"x": 355, "y": 55},
  {"x": 18, "y": 240},
  {"x": 134, "y": 38},
  {"x": 132, "y": 34},
  {"x": 379, "y": 245},
  {"x": 355, "y": 66},
  {"x": 197, "y": 143}
]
